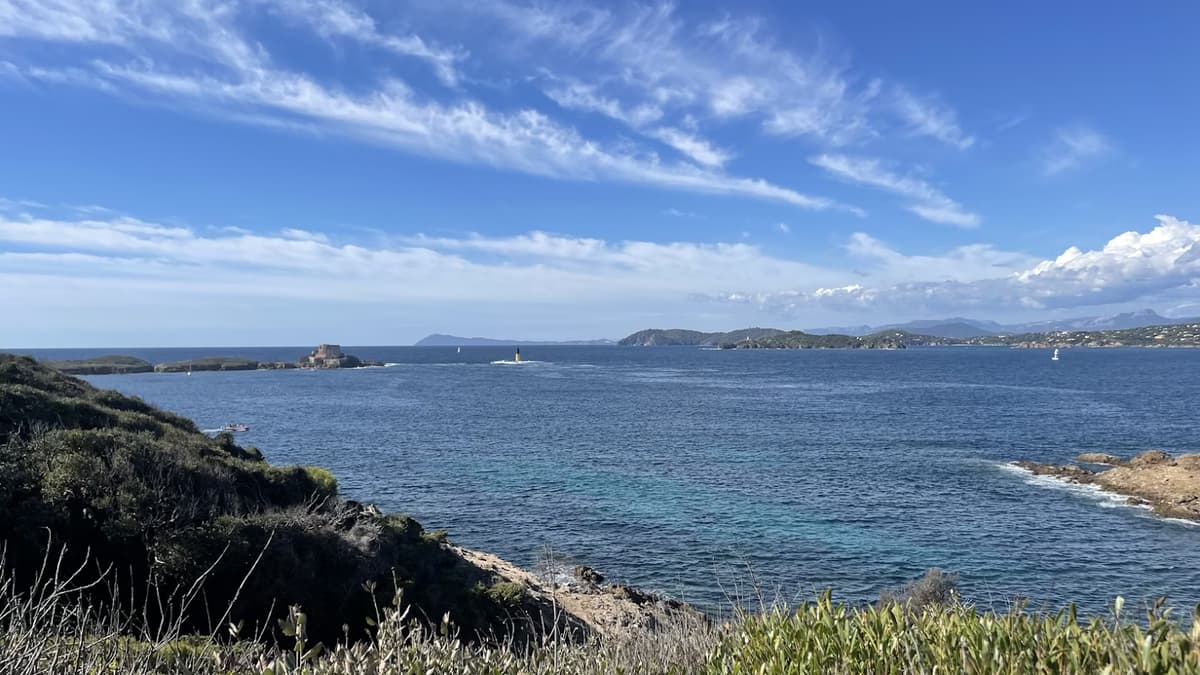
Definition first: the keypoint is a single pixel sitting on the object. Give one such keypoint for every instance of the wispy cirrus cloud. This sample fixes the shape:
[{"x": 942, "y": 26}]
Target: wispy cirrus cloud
[
  {"x": 1071, "y": 148},
  {"x": 335, "y": 19},
  {"x": 927, "y": 201},
  {"x": 928, "y": 116},
  {"x": 199, "y": 56}
]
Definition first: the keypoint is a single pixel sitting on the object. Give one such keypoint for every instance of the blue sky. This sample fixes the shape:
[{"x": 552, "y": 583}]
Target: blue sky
[{"x": 292, "y": 171}]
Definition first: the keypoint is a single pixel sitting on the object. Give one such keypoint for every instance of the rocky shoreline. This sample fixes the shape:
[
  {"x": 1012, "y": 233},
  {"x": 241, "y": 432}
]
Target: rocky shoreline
[
  {"x": 585, "y": 602},
  {"x": 324, "y": 357},
  {"x": 1169, "y": 486}
]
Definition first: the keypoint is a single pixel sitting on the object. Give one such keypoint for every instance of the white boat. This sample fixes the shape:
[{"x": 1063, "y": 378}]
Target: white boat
[
  {"x": 460, "y": 350},
  {"x": 234, "y": 427},
  {"x": 1055, "y": 357}
]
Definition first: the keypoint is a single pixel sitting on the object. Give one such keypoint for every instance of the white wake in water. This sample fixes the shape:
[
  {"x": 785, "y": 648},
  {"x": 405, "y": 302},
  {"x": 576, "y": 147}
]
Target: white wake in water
[
  {"x": 1102, "y": 497},
  {"x": 522, "y": 362}
]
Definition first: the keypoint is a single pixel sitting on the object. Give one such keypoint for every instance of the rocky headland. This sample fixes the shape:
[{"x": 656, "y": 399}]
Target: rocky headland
[
  {"x": 118, "y": 487},
  {"x": 102, "y": 365},
  {"x": 1168, "y": 485}
]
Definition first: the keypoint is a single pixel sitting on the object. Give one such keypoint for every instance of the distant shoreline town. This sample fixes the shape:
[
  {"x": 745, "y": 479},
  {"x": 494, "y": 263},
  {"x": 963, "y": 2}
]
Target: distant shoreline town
[{"x": 1174, "y": 335}]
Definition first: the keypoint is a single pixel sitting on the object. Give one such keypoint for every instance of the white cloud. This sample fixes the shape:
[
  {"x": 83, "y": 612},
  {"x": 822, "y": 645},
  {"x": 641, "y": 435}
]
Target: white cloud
[
  {"x": 698, "y": 149},
  {"x": 196, "y": 56},
  {"x": 927, "y": 116},
  {"x": 929, "y": 202},
  {"x": 575, "y": 95},
  {"x": 1132, "y": 266},
  {"x": 1073, "y": 148},
  {"x": 297, "y": 263}
]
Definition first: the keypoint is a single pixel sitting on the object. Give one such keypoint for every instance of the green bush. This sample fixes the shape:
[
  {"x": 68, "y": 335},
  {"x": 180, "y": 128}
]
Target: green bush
[{"x": 325, "y": 486}]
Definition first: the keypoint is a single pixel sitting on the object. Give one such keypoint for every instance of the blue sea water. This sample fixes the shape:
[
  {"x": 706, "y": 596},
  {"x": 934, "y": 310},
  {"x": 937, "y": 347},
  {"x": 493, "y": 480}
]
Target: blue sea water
[{"x": 703, "y": 473}]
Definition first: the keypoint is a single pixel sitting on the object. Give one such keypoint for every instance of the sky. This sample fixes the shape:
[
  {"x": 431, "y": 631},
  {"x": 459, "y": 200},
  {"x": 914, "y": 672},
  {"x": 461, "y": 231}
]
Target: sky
[{"x": 262, "y": 172}]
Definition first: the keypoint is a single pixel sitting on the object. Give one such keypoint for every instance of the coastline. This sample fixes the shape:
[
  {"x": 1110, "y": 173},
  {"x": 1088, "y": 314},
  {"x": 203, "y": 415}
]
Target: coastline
[
  {"x": 606, "y": 610},
  {"x": 1167, "y": 486}
]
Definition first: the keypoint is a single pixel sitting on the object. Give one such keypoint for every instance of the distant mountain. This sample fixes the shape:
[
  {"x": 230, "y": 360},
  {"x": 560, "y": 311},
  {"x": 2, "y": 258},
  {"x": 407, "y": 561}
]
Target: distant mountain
[
  {"x": 658, "y": 337},
  {"x": 440, "y": 340},
  {"x": 1139, "y": 319},
  {"x": 959, "y": 327},
  {"x": 952, "y": 327}
]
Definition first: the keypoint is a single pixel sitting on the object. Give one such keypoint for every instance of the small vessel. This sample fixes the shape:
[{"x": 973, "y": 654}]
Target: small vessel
[
  {"x": 234, "y": 427},
  {"x": 459, "y": 350},
  {"x": 1055, "y": 357},
  {"x": 517, "y": 356}
]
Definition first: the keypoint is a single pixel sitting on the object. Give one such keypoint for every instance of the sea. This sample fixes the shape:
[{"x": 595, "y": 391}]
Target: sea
[{"x": 727, "y": 477}]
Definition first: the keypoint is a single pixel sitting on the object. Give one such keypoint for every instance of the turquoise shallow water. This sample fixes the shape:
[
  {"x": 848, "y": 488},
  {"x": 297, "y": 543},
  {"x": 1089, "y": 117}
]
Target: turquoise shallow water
[{"x": 694, "y": 472}]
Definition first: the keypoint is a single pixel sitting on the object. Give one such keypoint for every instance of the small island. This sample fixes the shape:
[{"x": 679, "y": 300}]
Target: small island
[
  {"x": 1168, "y": 485},
  {"x": 102, "y": 365},
  {"x": 207, "y": 363}
]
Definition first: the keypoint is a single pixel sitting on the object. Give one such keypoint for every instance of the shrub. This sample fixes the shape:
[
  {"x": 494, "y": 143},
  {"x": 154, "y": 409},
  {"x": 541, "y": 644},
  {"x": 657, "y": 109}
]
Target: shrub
[
  {"x": 325, "y": 486},
  {"x": 936, "y": 588},
  {"x": 505, "y": 593}
]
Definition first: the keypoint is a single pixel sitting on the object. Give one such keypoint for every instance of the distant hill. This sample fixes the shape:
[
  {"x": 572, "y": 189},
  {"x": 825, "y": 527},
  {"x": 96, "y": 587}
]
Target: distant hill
[
  {"x": 441, "y": 340},
  {"x": 765, "y": 338},
  {"x": 658, "y": 337}
]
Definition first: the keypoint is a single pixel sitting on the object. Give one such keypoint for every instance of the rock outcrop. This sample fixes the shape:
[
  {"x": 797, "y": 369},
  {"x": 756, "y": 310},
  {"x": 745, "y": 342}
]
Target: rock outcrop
[
  {"x": 1169, "y": 485},
  {"x": 609, "y": 611},
  {"x": 1100, "y": 458}
]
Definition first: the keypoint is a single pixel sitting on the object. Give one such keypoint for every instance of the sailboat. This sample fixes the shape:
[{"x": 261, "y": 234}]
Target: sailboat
[
  {"x": 1055, "y": 357},
  {"x": 459, "y": 350}
]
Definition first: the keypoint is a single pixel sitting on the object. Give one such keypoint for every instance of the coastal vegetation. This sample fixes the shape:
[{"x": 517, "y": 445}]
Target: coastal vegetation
[
  {"x": 801, "y": 340},
  {"x": 44, "y": 633},
  {"x": 134, "y": 543}
]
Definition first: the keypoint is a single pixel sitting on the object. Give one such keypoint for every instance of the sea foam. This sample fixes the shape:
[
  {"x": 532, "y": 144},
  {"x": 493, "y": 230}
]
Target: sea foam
[{"x": 1102, "y": 497}]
